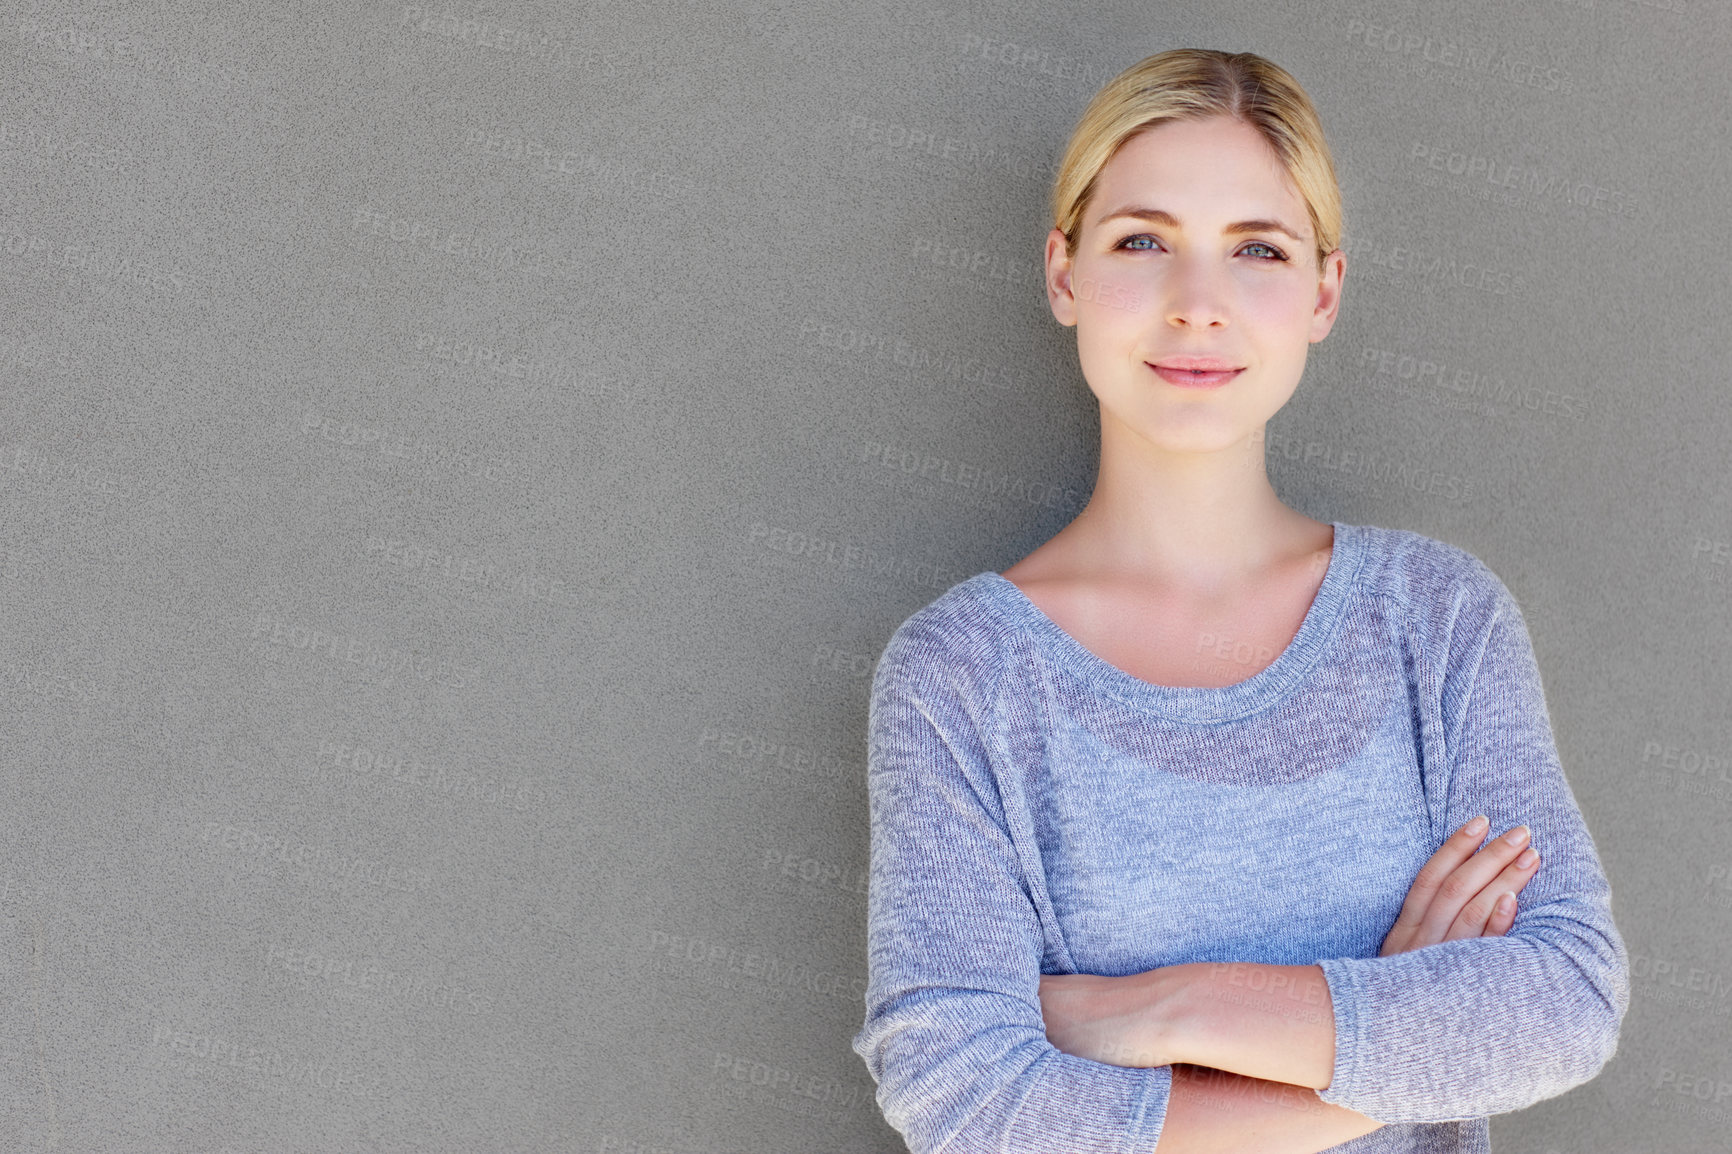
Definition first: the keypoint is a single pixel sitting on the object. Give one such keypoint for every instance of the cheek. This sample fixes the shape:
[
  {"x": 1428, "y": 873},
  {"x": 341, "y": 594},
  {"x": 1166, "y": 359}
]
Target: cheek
[
  {"x": 1108, "y": 299},
  {"x": 1278, "y": 305}
]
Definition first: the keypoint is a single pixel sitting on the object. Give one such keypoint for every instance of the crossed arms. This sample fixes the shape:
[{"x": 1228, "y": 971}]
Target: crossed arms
[
  {"x": 1249, "y": 1046},
  {"x": 958, "y": 1032},
  {"x": 1264, "y": 1035}
]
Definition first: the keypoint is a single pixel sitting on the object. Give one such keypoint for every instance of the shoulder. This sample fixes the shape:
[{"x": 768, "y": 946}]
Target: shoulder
[
  {"x": 953, "y": 645},
  {"x": 1429, "y": 577},
  {"x": 1450, "y": 604}
]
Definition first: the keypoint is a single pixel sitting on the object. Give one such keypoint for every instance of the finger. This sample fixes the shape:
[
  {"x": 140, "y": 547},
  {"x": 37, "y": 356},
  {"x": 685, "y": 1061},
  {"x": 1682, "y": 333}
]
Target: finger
[
  {"x": 1475, "y": 919},
  {"x": 1456, "y": 849},
  {"x": 1503, "y": 913},
  {"x": 1466, "y": 883}
]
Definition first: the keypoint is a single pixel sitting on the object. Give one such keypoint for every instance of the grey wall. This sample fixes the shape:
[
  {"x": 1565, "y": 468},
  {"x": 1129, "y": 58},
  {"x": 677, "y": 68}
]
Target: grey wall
[{"x": 458, "y": 465}]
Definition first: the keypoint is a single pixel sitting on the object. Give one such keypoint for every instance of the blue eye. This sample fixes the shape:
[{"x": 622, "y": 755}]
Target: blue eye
[
  {"x": 1279, "y": 255},
  {"x": 1125, "y": 244}
]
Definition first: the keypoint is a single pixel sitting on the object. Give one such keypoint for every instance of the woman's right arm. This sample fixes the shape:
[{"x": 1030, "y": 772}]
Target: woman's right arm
[{"x": 954, "y": 1036}]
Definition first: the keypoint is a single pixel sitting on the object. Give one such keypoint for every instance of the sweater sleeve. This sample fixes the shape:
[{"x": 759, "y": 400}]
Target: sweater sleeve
[
  {"x": 953, "y": 1034},
  {"x": 1478, "y": 1026}
]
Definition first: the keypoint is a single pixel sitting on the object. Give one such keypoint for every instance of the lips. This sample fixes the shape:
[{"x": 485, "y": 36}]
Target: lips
[
  {"x": 1206, "y": 376},
  {"x": 1206, "y": 364}
]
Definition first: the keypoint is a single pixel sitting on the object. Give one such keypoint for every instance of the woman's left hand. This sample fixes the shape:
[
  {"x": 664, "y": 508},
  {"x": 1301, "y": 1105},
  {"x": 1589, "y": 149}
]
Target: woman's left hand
[{"x": 1106, "y": 1019}]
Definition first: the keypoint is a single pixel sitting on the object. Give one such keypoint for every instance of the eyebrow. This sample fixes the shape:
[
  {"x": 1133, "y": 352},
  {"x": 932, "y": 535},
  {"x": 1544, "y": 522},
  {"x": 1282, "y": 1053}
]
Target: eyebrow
[{"x": 1237, "y": 228}]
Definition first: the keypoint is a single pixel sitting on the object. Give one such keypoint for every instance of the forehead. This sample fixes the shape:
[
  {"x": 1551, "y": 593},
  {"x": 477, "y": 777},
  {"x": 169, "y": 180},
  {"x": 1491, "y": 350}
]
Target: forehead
[{"x": 1217, "y": 168}]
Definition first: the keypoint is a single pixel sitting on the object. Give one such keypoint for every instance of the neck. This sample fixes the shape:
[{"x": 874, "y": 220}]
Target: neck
[{"x": 1199, "y": 521}]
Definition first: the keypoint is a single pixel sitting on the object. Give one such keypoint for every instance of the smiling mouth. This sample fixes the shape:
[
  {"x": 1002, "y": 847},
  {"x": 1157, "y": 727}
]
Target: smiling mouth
[{"x": 1195, "y": 378}]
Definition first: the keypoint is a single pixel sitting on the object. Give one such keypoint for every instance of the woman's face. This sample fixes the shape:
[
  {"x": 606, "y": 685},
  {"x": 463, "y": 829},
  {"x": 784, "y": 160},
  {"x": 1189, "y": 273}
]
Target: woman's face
[{"x": 1144, "y": 291}]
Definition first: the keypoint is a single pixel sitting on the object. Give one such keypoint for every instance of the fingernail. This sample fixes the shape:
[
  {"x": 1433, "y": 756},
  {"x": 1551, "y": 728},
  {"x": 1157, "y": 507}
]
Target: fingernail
[
  {"x": 1478, "y": 824},
  {"x": 1517, "y": 836},
  {"x": 1506, "y": 902},
  {"x": 1527, "y": 857}
]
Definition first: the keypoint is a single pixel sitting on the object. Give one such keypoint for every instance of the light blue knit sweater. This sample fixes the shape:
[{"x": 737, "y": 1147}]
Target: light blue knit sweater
[{"x": 1037, "y": 810}]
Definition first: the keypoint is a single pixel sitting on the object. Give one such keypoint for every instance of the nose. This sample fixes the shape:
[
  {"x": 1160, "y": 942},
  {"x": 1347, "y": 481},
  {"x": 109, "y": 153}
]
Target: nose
[{"x": 1195, "y": 295}]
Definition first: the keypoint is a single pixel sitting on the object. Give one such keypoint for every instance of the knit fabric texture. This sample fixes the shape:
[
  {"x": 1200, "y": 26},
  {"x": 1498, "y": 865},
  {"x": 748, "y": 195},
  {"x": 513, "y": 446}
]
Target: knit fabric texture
[{"x": 1037, "y": 810}]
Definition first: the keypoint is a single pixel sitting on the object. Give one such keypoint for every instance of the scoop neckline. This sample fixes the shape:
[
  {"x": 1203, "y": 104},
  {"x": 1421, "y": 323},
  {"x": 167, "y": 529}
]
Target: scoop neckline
[{"x": 1196, "y": 702}]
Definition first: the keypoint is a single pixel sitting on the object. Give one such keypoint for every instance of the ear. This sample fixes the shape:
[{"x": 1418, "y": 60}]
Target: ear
[
  {"x": 1058, "y": 274},
  {"x": 1328, "y": 295}
]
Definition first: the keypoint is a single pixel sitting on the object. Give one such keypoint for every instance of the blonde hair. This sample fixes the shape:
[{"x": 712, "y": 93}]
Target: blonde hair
[{"x": 1194, "y": 84}]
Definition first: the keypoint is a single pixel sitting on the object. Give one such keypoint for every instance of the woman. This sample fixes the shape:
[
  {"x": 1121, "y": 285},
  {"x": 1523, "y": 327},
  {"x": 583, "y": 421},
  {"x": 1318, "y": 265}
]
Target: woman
[{"x": 1171, "y": 835}]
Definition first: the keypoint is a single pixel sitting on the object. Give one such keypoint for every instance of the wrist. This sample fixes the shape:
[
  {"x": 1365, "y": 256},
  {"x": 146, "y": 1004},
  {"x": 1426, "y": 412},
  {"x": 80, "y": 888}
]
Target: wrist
[
  {"x": 1143, "y": 1017},
  {"x": 1171, "y": 996},
  {"x": 1273, "y": 1022}
]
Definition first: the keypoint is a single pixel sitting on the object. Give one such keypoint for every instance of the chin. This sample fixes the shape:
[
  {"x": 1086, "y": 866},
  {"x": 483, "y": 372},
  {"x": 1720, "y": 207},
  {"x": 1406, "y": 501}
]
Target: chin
[{"x": 1189, "y": 434}]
